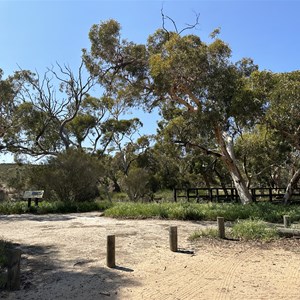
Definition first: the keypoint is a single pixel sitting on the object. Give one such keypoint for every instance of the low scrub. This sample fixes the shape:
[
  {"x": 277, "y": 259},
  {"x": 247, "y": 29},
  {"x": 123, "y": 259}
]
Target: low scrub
[
  {"x": 253, "y": 230},
  {"x": 179, "y": 211},
  {"x": 166, "y": 210},
  {"x": 204, "y": 211},
  {"x": 246, "y": 230},
  {"x": 53, "y": 207}
]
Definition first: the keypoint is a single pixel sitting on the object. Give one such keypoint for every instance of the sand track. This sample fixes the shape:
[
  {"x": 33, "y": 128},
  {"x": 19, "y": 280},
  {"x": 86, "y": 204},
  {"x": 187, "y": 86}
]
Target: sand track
[{"x": 64, "y": 257}]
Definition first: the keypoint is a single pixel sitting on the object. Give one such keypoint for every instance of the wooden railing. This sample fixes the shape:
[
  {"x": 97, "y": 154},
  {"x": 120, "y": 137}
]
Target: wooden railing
[{"x": 230, "y": 194}]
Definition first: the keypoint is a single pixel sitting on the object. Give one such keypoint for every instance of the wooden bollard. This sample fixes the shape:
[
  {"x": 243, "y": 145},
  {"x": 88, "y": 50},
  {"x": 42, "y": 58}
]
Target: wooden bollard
[
  {"x": 111, "y": 252},
  {"x": 221, "y": 227},
  {"x": 287, "y": 221},
  {"x": 173, "y": 238},
  {"x": 13, "y": 269}
]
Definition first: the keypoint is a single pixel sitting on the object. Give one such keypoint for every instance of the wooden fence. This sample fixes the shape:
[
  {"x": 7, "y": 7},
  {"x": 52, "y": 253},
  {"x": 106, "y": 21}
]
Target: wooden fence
[{"x": 230, "y": 194}]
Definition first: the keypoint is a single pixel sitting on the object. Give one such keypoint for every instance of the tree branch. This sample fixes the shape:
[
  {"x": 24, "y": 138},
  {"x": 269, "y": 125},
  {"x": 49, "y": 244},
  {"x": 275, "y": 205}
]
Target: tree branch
[{"x": 202, "y": 148}]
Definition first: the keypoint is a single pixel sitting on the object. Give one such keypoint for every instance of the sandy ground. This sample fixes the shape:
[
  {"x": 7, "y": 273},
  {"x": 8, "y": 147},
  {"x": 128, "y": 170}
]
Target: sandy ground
[{"x": 64, "y": 257}]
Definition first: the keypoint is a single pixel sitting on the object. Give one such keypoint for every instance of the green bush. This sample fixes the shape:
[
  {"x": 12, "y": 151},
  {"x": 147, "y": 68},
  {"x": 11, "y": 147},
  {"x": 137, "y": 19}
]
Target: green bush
[
  {"x": 71, "y": 176},
  {"x": 163, "y": 196},
  {"x": 137, "y": 184},
  {"x": 8, "y": 207},
  {"x": 253, "y": 230},
  {"x": 120, "y": 197},
  {"x": 46, "y": 207},
  {"x": 204, "y": 211},
  {"x": 179, "y": 211}
]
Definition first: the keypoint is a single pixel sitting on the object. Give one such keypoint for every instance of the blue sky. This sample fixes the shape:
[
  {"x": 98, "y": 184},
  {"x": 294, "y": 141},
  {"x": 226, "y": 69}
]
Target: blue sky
[{"x": 36, "y": 34}]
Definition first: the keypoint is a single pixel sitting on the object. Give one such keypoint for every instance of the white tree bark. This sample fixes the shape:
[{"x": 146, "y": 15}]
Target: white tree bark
[
  {"x": 289, "y": 190},
  {"x": 228, "y": 157}
]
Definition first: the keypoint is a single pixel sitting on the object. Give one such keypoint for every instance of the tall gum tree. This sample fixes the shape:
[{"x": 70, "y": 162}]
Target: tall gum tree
[
  {"x": 283, "y": 116},
  {"x": 174, "y": 68},
  {"x": 9, "y": 126}
]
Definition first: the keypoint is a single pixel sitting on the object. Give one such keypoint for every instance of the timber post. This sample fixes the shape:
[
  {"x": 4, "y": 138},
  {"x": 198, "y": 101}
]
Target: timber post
[
  {"x": 13, "y": 269},
  {"x": 221, "y": 227},
  {"x": 173, "y": 238},
  {"x": 111, "y": 252},
  {"x": 287, "y": 221}
]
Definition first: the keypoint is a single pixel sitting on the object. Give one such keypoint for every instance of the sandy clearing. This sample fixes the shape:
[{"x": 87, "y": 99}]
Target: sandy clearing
[{"x": 64, "y": 257}]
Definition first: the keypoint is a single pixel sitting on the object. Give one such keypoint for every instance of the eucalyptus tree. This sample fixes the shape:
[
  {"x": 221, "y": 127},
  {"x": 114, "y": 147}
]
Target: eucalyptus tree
[
  {"x": 283, "y": 116},
  {"x": 55, "y": 112},
  {"x": 212, "y": 92},
  {"x": 193, "y": 165},
  {"x": 48, "y": 106},
  {"x": 9, "y": 125},
  {"x": 265, "y": 157}
]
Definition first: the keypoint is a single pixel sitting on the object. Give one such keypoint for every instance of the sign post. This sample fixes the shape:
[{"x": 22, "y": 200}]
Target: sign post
[{"x": 36, "y": 195}]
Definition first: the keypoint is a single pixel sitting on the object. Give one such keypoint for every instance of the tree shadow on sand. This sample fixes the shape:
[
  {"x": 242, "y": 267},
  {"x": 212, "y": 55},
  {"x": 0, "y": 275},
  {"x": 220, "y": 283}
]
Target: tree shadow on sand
[
  {"x": 39, "y": 218},
  {"x": 44, "y": 277}
]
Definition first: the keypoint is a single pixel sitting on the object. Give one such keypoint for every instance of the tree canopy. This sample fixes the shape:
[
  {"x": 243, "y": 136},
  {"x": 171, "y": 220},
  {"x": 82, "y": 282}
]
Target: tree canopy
[{"x": 222, "y": 121}]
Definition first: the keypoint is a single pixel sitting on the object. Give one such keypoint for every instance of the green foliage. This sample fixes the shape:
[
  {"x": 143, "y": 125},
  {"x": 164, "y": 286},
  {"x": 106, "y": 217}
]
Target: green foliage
[
  {"x": 283, "y": 111},
  {"x": 178, "y": 211},
  {"x": 265, "y": 155},
  {"x": 136, "y": 184},
  {"x": 253, "y": 230},
  {"x": 230, "y": 211},
  {"x": 71, "y": 176},
  {"x": 7, "y": 208},
  {"x": 46, "y": 207},
  {"x": 207, "y": 211},
  {"x": 163, "y": 196},
  {"x": 250, "y": 229},
  {"x": 72, "y": 207},
  {"x": 120, "y": 197}
]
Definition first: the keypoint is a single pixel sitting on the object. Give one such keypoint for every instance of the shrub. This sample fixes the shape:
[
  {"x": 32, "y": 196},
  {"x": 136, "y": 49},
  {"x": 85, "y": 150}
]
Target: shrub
[
  {"x": 136, "y": 184},
  {"x": 46, "y": 207},
  {"x": 71, "y": 176},
  {"x": 253, "y": 230},
  {"x": 179, "y": 211}
]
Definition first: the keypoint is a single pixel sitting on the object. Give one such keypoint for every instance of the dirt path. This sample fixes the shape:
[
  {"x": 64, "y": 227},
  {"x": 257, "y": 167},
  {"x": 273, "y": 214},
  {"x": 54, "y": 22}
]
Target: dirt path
[{"x": 64, "y": 257}]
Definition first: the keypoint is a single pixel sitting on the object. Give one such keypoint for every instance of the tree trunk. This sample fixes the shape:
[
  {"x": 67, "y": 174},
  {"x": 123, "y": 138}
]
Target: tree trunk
[
  {"x": 221, "y": 182},
  {"x": 289, "y": 190},
  {"x": 228, "y": 158}
]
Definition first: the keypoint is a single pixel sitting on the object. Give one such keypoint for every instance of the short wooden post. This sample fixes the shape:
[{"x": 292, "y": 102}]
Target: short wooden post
[
  {"x": 221, "y": 227},
  {"x": 173, "y": 238},
  {"x": 111, "y": 252},
  {"x": 13, "y": 269},
  {"x": 287, "y": 221}
]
